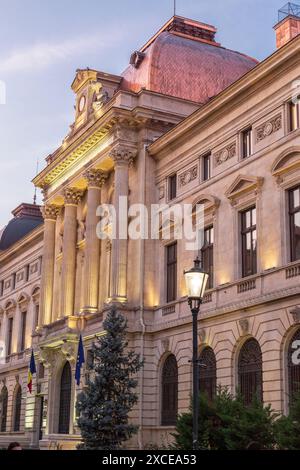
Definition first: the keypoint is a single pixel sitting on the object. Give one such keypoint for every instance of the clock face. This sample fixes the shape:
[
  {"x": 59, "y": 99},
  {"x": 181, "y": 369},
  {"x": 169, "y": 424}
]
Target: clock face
[{"x": 81, "y": 103}]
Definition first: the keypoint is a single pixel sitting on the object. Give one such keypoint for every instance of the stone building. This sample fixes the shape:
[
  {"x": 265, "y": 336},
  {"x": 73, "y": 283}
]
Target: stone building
[{"x": 187, "y": 122}]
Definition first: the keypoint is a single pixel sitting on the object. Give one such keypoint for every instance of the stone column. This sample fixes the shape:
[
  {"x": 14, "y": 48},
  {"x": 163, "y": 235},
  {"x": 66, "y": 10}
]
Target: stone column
[
  {"x": 95, "y": 179},
  {"x": 50, "y": 213},
  {"x": 123, "y": 158},
  {"x": 72, "y": 197}
]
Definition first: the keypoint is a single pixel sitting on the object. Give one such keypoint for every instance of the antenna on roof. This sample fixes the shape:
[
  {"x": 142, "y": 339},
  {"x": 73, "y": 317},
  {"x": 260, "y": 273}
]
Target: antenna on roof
[
  {"x": 174, "y": 7},
  {"x": 37, "y": 169}
]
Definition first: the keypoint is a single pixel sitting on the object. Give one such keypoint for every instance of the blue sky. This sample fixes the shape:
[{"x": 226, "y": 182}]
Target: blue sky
[{"x": 43, "y": 42}]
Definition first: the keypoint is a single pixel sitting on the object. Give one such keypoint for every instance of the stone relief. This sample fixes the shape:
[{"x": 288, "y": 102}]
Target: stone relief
[
  {"x": 188, "y": 176},
  {"x": 268, "y": 128},
  {"x": 225, "y": 154}
]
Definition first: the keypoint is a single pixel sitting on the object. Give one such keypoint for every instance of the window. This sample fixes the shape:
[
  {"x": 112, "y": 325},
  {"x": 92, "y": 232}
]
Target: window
[
  {"x": 247, "y": 142},
  {"x": 293, "y": 369},
  {"x": 207, "y": 255},
  {"x": 169, "y": 405},
  {"x": 294, "y": 214},
  {"x": 9, "y": 335},
  {"x": 250, "y": 371},
  {"x": 172, "y": 187},
  {"x": 17, "y": 408},
  {"x": 171, "y": 255},
  {"x": 208, "y": 373},
  {"x": 206, "y": 167},
  {"x": 294, "y": 115},
  {"x": 249, "y": 242},
  {"x": 23, "y": 330},
  {"x": 3, "y": 409},
  {"x": 65, "y": 400}
]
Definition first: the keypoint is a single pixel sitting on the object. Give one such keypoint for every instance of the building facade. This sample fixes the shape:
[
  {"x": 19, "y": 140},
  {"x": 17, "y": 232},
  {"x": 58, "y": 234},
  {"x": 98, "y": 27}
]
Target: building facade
[{"x": 188, "y": 122}]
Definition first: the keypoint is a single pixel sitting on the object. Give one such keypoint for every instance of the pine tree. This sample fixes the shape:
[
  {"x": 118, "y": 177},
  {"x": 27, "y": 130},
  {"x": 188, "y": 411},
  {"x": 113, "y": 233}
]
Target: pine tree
[{"x": 104, "y": 405}]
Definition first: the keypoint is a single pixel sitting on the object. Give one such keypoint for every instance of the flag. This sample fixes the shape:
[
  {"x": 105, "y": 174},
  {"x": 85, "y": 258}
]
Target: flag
[
  {"x": 31, "y": 371},
  {"x": 79, "y": 361}
]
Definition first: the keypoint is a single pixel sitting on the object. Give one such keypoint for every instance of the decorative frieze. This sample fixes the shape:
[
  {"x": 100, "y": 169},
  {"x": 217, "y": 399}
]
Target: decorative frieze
[
  {"x": 225, "y": 154},
  {"x": 188, "y": 176},
  {"x": 268, "y": 128}
]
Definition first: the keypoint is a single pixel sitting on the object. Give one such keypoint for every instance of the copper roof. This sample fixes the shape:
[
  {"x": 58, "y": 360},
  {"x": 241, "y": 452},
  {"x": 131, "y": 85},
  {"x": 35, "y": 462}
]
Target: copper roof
[{"x": 183, "y": 65}]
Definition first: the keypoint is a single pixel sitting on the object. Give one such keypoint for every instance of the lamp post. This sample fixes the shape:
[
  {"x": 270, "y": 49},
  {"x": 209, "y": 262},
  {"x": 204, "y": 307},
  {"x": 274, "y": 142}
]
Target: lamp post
[{"x": 196, "y": 280}]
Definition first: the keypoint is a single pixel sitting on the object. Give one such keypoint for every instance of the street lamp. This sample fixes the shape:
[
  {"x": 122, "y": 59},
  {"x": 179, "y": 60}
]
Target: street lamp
[{"x": 195, "y": 280}]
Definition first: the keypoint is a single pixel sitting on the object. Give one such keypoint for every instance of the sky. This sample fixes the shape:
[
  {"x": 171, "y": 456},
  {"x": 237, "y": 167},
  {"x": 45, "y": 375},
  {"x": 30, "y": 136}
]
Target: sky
[{"x": 43, "y": 42}]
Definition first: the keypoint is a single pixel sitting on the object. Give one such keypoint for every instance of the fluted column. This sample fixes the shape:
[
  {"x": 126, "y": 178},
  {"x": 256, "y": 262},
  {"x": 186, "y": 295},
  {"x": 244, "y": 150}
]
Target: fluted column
[
  {"x": 50, "y": 213},
  {"x": 122, "y": 158},
  {"x": 95, "y": 180},
  {"x": 72, "y": 197}
]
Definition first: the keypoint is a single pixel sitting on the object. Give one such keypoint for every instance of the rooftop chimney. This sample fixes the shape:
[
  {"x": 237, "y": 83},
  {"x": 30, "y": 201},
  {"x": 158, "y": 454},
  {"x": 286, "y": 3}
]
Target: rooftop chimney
[{"x": 288, "y": 26}]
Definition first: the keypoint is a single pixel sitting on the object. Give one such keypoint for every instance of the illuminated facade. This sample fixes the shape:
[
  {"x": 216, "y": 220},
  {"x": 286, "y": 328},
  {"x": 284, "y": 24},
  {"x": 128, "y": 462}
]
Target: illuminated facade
[{"x": 188, "y": 121}]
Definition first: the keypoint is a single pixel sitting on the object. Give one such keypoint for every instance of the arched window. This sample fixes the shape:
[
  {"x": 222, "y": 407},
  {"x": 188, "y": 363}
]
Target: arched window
[
  {"x": 3, "y": 409},
  {"x": 208, "y": 372},
  {"x": 17, "y": 408},
  {"x": 65, "y": 400},
  {"x": 293, "y": 369},
  {"x": 169, "y": 392},
  {"x": 250, "y": 371}
]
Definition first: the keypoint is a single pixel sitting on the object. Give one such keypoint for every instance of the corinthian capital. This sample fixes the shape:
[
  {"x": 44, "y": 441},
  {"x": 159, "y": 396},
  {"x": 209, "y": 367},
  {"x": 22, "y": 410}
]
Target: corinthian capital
[
  {"x": 95, "y": 178},
  {"x": 72, "y": 196},
  {"x": 50, "y": 211},
  {"x": 123, "y": 155}
]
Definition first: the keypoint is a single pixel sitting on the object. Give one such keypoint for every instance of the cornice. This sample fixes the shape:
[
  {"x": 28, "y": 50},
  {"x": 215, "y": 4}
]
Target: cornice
[{"x": 242, "y": 85}]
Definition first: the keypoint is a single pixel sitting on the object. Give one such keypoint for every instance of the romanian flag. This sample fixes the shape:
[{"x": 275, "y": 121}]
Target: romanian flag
[{"x": 31, "y": 371}]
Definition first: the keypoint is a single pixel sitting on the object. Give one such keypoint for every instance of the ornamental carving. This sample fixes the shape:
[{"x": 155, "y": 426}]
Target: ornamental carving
[
  {"x": 95, "y": 178},
  {"x": 202, "y": 335},
  {"x": 123, "y": 155},
  {"x": 68, "y": 350},
  {"x": 295, "y": 312},
  {"x": 165, "y": 343},
  {"x": 50, "y": 211},
  {"x": 72, "y": 196},
  {"x": 188, "y": 176},
  {"x": 225, "y": 154},
  {"x": 268, "y": 128},
  {"x": 161, "y": 192}
]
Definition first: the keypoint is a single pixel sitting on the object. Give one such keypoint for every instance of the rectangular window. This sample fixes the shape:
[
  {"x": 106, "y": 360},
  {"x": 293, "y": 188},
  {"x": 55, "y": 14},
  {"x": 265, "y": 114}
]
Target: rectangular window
[
  {"x": 23, "y": 330},
  {"x": 206, "y": 167},
  {"x": 36, "y": 316},
  {"x": 294, "y": 115},
  {"x": 171, "y": 258},
  {"x": 294, "y": 214},
  {"x": 247, "y": 142},
  {"x": 172, "y": 187},
  {"x": 9, "y": 335},
  {"x": 249, "y": 242},
  {"x": 207, "y": 255}
]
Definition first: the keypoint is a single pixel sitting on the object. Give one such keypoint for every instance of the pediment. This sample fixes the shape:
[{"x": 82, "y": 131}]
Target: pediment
[
  {"x": 287, "y": 162},
  {"x": 243, "y": 184},
  {"x": 82, "y": 77}
]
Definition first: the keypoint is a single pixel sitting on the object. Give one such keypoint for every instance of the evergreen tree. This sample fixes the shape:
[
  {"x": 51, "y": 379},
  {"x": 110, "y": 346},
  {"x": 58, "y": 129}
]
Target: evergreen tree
[
  {"x": 227, "y": 424},
  {"x": 104, "y": 405},
  {"x": 287, "y": 428}
]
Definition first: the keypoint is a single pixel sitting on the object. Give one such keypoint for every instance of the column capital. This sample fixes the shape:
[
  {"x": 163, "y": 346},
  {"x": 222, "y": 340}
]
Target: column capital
[
  {"x": 50, "y": 211},
  {"x": 95, "y": 178},
  {"x": 72, "y": 196},
  {"x": 123, "y": 155}
]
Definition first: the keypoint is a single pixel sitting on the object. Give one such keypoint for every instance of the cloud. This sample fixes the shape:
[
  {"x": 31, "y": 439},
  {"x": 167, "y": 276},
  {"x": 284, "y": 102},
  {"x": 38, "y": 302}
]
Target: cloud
[{"x": 45, "y": 54}]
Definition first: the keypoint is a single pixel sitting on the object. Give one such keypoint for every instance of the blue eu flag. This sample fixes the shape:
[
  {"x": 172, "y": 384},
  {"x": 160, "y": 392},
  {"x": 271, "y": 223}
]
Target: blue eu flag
[{"x": 80, "y": 360}]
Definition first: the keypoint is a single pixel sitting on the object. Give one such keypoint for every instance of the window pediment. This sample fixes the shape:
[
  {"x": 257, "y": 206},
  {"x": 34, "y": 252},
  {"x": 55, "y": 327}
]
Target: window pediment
[
  {"x": 243, "y": 187},
  {"x": 287, "y": 165},
  {"x": 210, "y": 203}
]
